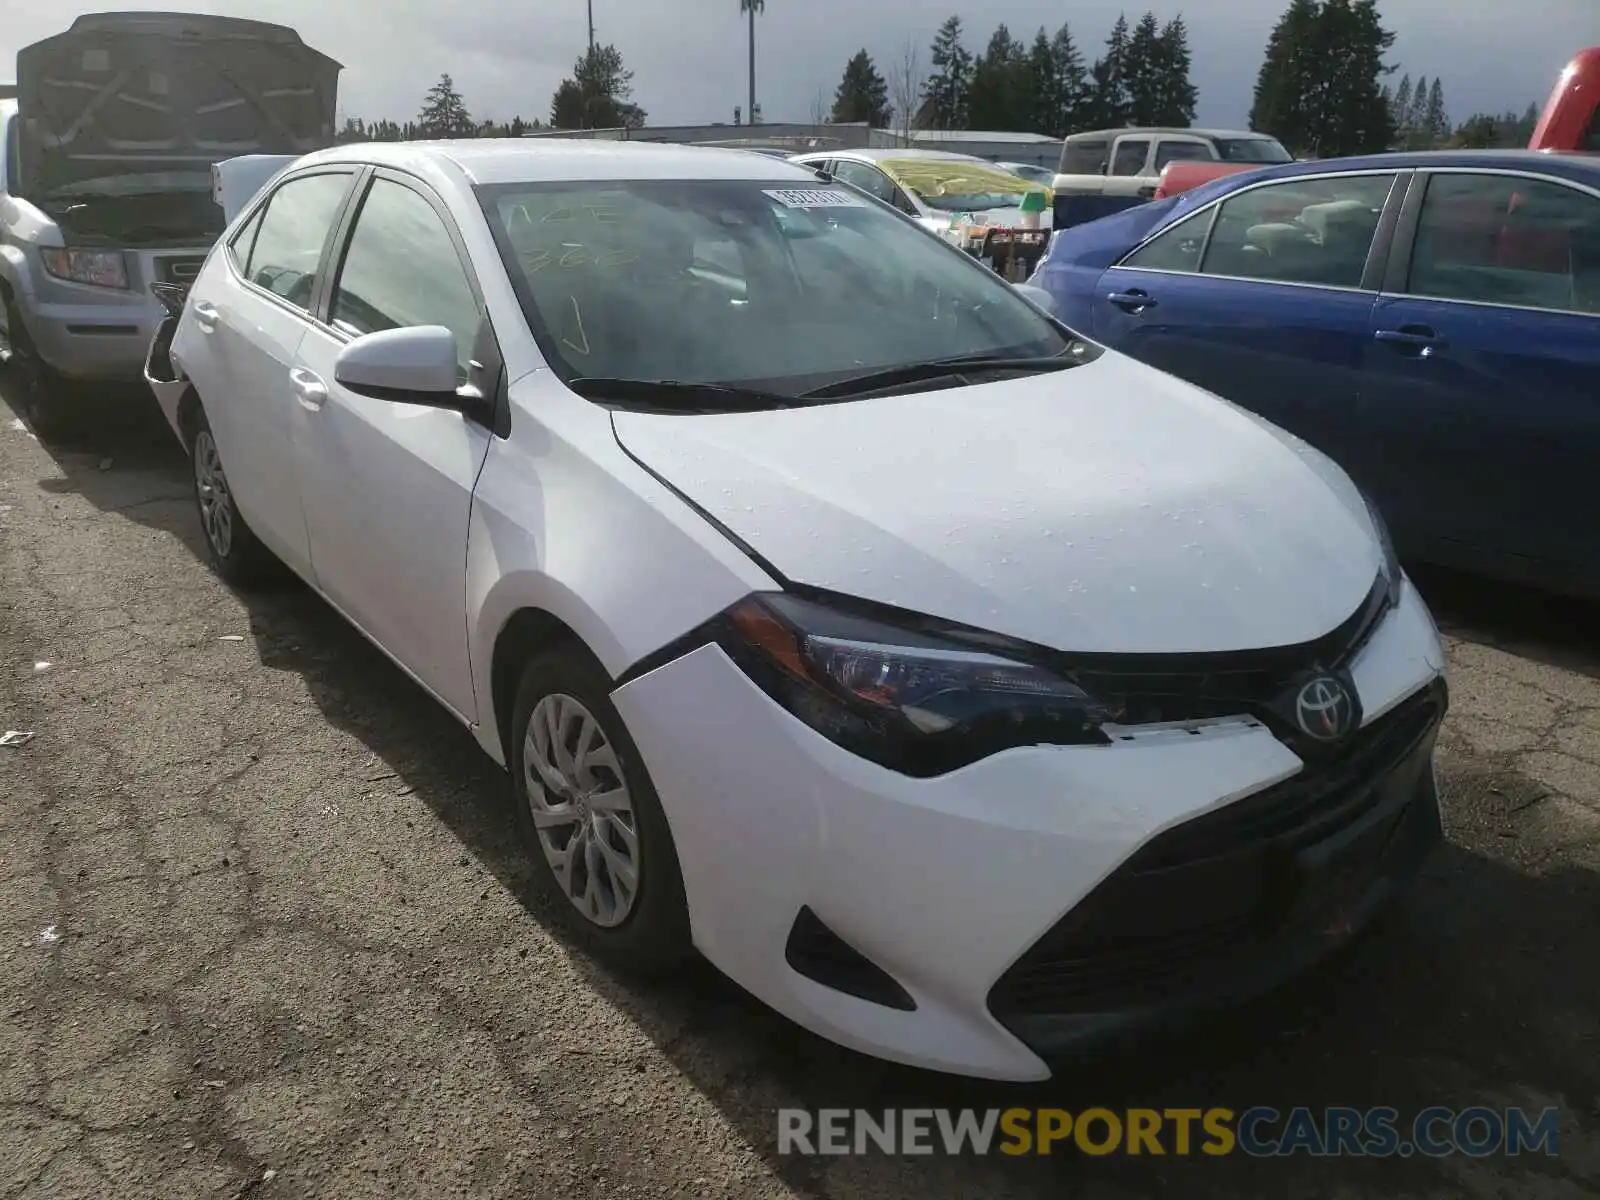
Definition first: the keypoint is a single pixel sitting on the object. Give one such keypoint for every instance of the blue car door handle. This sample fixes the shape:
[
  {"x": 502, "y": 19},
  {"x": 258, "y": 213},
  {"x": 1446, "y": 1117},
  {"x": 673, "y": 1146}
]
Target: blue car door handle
[
  {"x": 1411, "y": 339},
  {"x": 1133, "y": 300}
]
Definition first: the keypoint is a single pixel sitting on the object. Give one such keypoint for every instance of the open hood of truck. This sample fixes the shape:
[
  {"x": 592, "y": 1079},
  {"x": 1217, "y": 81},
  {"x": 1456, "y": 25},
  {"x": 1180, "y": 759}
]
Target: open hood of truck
[{"x": 167, "y": 94}]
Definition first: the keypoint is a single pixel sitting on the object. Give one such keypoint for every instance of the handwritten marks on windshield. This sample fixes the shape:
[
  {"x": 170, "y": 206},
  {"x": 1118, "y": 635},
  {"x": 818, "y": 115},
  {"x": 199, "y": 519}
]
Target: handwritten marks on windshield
[{"x": 569, "y": 219}]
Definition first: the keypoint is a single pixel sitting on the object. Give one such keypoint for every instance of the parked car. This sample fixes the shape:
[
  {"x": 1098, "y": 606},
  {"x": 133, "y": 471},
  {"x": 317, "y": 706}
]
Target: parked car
[
  {"x": 964, "y": 691},
  {"x": 1032, "y": 172},
  {"x": 105, "y": 186},
  {"x": 1430, "y": 320},
  {"x": 968, "y": 201},
  {"x": 1128, "y": 163}
]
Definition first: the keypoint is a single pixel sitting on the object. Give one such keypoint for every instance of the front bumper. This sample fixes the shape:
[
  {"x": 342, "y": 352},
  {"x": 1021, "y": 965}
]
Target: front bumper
[
  {"x": 951, "y": 885},
  {"x": 102, "y": 335},
  {"x": 98, "y": 342}
]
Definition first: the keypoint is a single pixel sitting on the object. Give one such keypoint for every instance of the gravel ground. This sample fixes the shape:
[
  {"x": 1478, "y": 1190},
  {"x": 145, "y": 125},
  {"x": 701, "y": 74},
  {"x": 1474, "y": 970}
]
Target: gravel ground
[{"x": 264, "y": 929}]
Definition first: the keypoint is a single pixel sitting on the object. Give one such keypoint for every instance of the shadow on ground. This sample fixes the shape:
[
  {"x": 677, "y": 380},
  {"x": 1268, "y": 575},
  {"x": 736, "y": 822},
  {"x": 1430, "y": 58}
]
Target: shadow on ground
[{"x": 1482, "y": 989}]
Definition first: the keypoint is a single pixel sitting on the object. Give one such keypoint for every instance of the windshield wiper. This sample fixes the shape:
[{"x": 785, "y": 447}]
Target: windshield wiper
[
  {"x": 676, "y": 395},
  {"x": 941, "y": 368}
]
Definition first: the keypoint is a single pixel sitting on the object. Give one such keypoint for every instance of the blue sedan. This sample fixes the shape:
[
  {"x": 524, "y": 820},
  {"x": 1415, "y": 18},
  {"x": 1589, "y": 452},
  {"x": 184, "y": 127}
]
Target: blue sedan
[{"x": 1429, "y": 320}]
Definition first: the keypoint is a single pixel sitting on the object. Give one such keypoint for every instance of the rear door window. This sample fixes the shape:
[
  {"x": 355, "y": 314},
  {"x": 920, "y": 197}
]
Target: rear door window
[
  {"x": 1506, "y": 239},
  {"x": 293, "y": 231},
  {"x": 1315, "y": 230},
  {"x": 1175, "y": 249}
]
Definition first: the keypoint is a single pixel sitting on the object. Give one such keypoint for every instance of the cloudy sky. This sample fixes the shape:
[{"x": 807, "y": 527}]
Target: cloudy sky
[{"x": 689, "y": 56}]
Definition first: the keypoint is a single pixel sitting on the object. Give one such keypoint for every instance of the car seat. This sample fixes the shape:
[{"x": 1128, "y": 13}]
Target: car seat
[
  {"x": 1290, "y": 251},
  {"x": 1344, "y": 229}
]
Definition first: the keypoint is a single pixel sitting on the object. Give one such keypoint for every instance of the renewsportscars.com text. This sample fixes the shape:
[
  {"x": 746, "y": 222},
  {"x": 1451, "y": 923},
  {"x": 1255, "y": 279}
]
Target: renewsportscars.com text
[{"x": 1259, "y": 1132}]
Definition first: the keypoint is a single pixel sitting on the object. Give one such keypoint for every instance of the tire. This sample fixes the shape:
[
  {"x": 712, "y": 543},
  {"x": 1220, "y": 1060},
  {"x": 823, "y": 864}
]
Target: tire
[
  {"x": 645, "y": 931},
  {"x": 46, "y": 400},
  {"x": 232, "y": 547}
]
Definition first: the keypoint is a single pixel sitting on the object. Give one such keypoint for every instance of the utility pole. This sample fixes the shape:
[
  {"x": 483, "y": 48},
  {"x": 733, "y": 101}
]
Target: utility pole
[{"x": 588, "y": 100}]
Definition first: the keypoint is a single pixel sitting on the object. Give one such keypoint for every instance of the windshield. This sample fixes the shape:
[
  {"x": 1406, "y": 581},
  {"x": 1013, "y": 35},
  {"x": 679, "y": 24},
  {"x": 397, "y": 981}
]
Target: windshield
[
  {"x": 956, "y": 186},
  {"x": 1251, "y": 150},
  {"x": 1040, "y": 175},
  {"x": 779, "y": 286}
]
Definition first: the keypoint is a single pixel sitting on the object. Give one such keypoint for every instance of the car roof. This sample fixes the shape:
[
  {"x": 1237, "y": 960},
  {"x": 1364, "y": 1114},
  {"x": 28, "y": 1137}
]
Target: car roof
[
  {"x": 1580, "y": 167},
  {"x": 881, "y": 154},
  {"x": 1141, "y": 130},
  {"x": 538, "y": 160}
]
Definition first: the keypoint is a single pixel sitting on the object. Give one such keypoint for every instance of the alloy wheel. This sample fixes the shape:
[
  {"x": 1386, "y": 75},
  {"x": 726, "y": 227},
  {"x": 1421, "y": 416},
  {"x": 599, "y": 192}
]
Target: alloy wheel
[
  {"x": 581, "y": 809},
  {"x": 211, "y": 488}
]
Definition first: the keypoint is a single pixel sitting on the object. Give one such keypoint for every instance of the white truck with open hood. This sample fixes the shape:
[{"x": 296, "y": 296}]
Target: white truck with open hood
[{"x": 109, "y": 184}]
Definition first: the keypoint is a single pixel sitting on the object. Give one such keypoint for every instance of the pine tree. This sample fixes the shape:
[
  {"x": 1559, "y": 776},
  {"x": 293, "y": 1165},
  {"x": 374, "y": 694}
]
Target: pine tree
[
  {"x": 1436, "y": 120},
  {"x": 1400, "y": 107},
  {"x": 1288, "y": 73},
  {"x": 1141, "y": 68},
  {"x": 1177, "y": 96},
  {"x": 1057, "y": 84},
  {"x": 863, "y": 94},
  {"x": 1109, "y": 101},
  {"x": 944, "y": 96},
  {"x": 999, "y": 98},
  {"x": 1526, "y": 125},
  {"x": 1044, "y": 87},
  {"x": 1072, "y": 86},
  {"x": 1478, "y": 132},
  {"x": 1414, "y": 133},
  {"x": 1319, "y": 90},
  {"x": 444, "y": 114},
  {"x": 598, "y": 95}
]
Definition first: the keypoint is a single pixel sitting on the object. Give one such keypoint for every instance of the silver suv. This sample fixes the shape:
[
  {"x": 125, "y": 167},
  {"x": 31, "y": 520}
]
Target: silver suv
[{"x": 106, "y": 185}]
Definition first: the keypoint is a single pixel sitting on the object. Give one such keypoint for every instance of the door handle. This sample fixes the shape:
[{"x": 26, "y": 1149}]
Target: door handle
[
  {"x": 1416, "y": 340},
  {"x": 312, "y": 391},
  {"x": 205, "y": 316},
  {"x": 1133, "y": 300}
]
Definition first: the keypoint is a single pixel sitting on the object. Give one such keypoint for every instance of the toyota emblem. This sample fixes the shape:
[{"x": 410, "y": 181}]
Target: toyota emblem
[{"x": 1324, "y": 709}]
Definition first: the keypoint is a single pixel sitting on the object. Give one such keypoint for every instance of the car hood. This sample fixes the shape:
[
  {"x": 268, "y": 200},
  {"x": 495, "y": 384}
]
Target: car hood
[
  {"x": 1105, "y": 508},
  {"x": 165, "y": 93}
]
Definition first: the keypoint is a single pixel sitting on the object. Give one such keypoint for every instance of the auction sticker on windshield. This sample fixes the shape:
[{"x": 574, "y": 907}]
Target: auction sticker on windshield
[{"x": 814, "y": 198}]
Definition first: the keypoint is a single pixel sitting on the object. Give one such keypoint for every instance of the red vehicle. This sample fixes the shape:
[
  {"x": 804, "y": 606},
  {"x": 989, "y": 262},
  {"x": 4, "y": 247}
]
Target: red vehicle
[
  {"x": 1571, "y": 118},
  {"x": 1180, "y": 176}
]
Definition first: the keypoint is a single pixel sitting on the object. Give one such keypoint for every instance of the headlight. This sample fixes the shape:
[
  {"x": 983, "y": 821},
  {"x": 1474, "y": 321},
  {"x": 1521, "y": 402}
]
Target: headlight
[
  {"x": 917, "y": 703},
  {"x": 1392, "y": 570},
  {"x": 103, "y": 268}
]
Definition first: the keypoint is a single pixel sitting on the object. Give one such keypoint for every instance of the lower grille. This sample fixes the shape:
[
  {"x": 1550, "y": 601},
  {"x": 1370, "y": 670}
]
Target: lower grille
[{"x": 1197, "y": 904}]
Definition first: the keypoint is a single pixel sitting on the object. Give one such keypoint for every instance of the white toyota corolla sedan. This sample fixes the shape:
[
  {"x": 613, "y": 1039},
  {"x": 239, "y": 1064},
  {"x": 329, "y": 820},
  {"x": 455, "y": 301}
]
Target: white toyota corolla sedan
[{"x": 967, "y": 692}]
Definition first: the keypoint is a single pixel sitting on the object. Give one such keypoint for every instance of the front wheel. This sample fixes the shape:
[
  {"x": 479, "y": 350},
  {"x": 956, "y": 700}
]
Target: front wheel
[
  {"x": 590, "y": 817},
  {"x": 231, "y": 545},
  {"x": 46, "y": 400}
]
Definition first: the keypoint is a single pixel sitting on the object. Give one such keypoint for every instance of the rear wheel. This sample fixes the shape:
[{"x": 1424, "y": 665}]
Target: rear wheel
[{"x": 231, "y": 545}]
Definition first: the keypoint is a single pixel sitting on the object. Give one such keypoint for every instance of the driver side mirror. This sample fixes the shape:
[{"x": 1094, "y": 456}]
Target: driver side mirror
[{"x": 413, "y": 365}]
